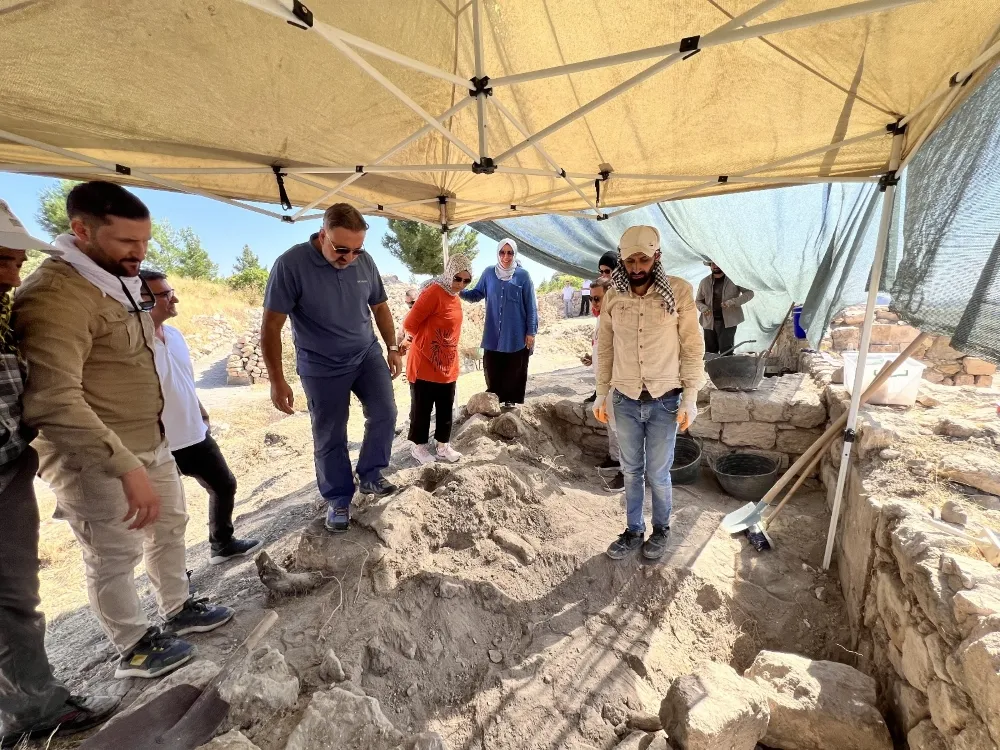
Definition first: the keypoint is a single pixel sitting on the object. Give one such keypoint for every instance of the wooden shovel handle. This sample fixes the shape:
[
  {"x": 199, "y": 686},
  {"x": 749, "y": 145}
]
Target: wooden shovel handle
[
  {"x": 798, "y": 483},
  {"x": 234, "y": 659},
  {"x": 838, "y": 425}
]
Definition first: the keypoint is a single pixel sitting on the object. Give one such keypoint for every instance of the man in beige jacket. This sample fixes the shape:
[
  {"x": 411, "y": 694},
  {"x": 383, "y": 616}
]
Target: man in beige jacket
[
  {"x": 720, "y": 302},
  {"x": 650, "y": 368},
  {"x": 93, "y": 393}
]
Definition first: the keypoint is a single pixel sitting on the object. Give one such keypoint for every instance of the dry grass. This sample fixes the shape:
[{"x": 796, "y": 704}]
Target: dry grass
[{"x": 198, "y": 297}]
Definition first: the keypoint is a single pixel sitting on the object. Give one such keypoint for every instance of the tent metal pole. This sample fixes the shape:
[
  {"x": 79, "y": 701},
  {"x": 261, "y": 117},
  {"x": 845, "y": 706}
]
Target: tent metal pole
[
  {"x": 477, "y": 42},
  {"x": 881, "y": 248},
  {"x": 444, "y": 226},
  {"x": 354, "y": 57},
  {"x": 279, "y": 9},
  {"x": 123, "y": 170},
  {"x": 544, "y": 154},
  {"x": 387, "y": 155},
  {"x": 984, "y": 57},
  {"x": 530, "y": 172},
  {"x": 674, "y": 56},
  {"x": 726, "y": 35}
]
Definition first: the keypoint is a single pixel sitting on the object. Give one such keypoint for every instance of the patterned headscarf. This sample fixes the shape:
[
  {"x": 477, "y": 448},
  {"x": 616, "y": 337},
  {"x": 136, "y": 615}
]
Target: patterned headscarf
[
  {"x": 456, "y": 264},
  {"x": 619, "y": 277},
  {"x": 7, "y": 343},
  {"x": 506, "y": 274}
]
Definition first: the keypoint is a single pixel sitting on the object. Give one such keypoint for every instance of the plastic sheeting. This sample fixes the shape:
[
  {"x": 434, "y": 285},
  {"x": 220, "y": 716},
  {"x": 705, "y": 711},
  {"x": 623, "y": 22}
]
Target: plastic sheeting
[
  {"x": 811, "y": 244},
  {"x": 948, "y": 280}
]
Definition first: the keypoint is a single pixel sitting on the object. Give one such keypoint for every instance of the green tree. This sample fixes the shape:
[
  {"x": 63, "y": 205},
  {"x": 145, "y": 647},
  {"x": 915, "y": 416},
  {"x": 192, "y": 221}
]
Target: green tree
[
  {"x": 195, "y": 261},
  {"x": 248, "y": 261},
  {"x": 252, "y": 280},
  {"x": 418, "y": 246},
  {"x": 33, "y": 261},
  {"x": 558, "y": 281},
  {"x": 52, "y": 208}
]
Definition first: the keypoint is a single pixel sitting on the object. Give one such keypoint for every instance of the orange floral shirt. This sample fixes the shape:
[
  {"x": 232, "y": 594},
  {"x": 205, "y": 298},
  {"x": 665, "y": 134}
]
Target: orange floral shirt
[{"x": 436, "y": 324}]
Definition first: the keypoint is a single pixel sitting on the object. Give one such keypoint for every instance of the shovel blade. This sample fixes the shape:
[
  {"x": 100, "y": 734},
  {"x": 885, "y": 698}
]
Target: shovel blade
[
  {"x": 141, "y": 729},
  {"x": 743, "y": 518}
]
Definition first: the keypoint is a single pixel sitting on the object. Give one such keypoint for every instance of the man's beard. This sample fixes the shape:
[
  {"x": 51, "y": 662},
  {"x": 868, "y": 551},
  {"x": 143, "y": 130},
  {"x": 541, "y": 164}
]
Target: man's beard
[
  {"x": 115, "y": 268},
  {"x": 635, "y": 281}
]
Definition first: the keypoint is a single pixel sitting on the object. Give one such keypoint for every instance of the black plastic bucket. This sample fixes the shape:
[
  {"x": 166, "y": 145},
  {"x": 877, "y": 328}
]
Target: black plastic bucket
[
  {"x": 687, "y": 460},
  {"x": 746, "y": 476}
]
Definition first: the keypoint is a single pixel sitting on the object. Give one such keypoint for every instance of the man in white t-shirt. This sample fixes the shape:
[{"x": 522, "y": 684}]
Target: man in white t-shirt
[
  {"x": 568, "y": 299},
  {"x": 187, "y": 426},
  {"x": 585, "y": 298}
]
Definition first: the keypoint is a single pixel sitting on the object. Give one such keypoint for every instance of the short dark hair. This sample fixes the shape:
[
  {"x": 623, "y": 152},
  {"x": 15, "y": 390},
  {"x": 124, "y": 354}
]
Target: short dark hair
[
  {"x": 99, "y": 199},
  {"x": 345, "y": 216},
  {"x": 151, "y": 274}
]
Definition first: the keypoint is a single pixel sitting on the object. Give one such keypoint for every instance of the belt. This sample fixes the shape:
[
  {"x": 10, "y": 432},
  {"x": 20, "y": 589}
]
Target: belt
[{"x": 646, "y": 396}]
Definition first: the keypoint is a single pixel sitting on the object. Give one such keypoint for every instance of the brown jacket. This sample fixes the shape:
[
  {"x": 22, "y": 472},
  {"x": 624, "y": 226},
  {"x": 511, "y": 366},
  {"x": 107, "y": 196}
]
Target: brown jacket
[
  {"x": 641, "y": 346},
  {"x": 92, "y": 389}
]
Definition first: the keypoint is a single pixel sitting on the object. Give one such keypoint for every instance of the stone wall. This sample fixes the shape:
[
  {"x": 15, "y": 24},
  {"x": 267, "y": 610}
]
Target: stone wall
[
  {"x": 211, "y": 332},
  {"x": 780, "y": 420},
  {"x": 945, "y": 366},
  {"x": 923, "y": 603},
  {"x": 246, "y": 364}
]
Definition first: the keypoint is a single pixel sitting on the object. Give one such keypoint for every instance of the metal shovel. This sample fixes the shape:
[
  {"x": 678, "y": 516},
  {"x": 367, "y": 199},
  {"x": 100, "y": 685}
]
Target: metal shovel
[{"x": 182, "y": 718}]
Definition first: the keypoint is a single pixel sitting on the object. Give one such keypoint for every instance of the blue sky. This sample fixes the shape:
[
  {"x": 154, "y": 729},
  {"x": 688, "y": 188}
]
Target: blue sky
[{"x": 224, "y": 229}]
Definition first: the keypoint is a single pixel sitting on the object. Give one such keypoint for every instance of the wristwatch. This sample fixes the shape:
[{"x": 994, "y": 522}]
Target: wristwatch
[{"x": 393, "y": 348}]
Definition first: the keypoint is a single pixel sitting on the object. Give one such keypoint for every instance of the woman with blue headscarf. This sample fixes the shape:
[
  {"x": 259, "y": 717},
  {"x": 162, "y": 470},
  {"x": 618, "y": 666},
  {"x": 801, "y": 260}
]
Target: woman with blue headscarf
[{"x": 511, "y": 324}]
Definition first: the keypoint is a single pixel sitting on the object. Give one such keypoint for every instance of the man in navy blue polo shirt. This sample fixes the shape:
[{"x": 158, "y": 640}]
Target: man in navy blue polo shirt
[{"x": 330, "y": 288}]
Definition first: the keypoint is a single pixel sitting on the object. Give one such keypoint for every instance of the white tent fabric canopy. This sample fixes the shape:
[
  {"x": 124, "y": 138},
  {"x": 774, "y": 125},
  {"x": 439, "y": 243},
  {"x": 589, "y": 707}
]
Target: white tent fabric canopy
[{"x": 372, "y": 102}]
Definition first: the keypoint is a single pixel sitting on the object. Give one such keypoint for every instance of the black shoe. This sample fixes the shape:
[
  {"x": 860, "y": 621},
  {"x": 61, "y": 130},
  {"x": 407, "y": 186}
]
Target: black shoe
[
  {"x": 591, "y": 398},
  {"x": 198, "y": 616},
  {"x": 155, "y": 655},
  {"x": 379, "y": 488},
  {"x": 235, "y": 548},
  {"x": 627, "y": 541},
  {"x": 608, "y": 463},
  {"x": 338, "y": 520},
  {"x": 616, "y": 483},
  {"x": 81, "y": 712},
  {"x": 654, "y": 547}
]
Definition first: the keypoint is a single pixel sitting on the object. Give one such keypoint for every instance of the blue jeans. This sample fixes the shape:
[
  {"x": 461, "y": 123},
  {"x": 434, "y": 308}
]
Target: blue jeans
[
  {"x": 329, "y": 407},
  {"x": 646, "y": 433}
]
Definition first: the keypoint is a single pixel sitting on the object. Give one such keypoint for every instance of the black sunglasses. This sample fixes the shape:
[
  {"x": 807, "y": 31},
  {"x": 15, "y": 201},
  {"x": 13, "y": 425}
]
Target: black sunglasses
[
  {"x": 144, "y": 305},
  {"x": 462, "y": 280}
]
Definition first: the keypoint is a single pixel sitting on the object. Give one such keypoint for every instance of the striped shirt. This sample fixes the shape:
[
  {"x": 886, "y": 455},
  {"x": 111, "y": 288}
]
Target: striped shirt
[{"x": 12, "y": 439}]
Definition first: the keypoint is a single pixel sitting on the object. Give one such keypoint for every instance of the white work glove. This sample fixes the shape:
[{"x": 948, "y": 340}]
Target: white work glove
[
  {"x": 687, "y": 413},
  {"x": 601, "y": 409}
]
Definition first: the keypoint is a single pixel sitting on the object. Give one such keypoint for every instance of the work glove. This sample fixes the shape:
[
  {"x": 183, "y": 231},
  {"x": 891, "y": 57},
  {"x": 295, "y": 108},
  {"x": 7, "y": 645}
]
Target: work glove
[
  {"x": 601, "y": 409},
  {"x": 687, "y": 413}
]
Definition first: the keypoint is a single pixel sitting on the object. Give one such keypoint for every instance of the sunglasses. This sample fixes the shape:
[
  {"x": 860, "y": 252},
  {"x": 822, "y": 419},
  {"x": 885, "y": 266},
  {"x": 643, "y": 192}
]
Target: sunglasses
[
  {"x": 144, "y": 304},
  {"x": 348, "y": 251},
  {"x": 167, "y": 294},
  {"x": 462, "y": 280},
  {"x": 507, "y": 253}
]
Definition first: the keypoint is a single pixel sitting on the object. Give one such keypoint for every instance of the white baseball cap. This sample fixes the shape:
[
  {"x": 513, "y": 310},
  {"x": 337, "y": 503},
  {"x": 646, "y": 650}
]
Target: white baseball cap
[
  {"x": 14, "y": 236},
  {"x": 639, "y": 239}
]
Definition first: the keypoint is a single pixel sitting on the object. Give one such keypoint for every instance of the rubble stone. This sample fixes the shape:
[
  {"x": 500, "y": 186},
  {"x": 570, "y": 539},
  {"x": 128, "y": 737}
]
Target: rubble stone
[
  {"x": 750, "y": 434},
  {"x": 796, "y": 441},
  {"x": 705, "y": 429},
  {"x": 331, "y": 670},
  {"x": 337, "y": 719},
  {"x": 952, "y": 512},
  {"x": 909, "y": 705},
  {"x": 714, "y": 708},
  {"x": 729, "y": 406},
  {"x": 507, "y": 426},
  {"x": 981, "y": 665},
  {"x": 976, "y": 366},
  {"x": 925, "y": 736},
  {"x": 424, "y": 741},
  {"x": 817, "y": 705},
  {"x": 263, "y": 686},
  {"x": 949, "y": 707},
  {"x": 232, "y": 740},
  {"x": 514, "y": 544},
  {"x": 916, "y": 663},
  {"x": 484, "y": 403}
]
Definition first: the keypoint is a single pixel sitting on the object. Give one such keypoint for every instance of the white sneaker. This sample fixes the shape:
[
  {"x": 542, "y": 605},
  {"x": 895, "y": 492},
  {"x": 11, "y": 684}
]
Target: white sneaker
[
  {"x": 447, "y": 453},
  {"x": 422, "y": 455}
]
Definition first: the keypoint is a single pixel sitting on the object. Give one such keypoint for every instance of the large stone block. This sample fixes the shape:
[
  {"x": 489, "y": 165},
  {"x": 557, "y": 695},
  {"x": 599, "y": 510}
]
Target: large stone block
[
  {"x": 976, "y": 366},
  {"x": 750, "y": 434},
  {"x": 984, "y": 381},
  {"x": 818, "y": 705},
  {"x": 940, "y": 350},
  {"x": 339, "y": 719},
  {"x": 887, "y": 333},
  {"x": 908, "y": 706},
  {"x": 981, "y": 665},
  {"x": 925, "y": 736},
  {"x": 484, "y": 403},
  {"x": 949, "y": 707},
  {"x": 705, "y": 429},
  {"x": 965, "y": 380},
  {"x": 796, "y": 441},
  {"x": 714, "y": 708},
  {"x": 729, "y": 406},
  {"x": 917, "y": 668},
  {"x": 845, "y": 338}
]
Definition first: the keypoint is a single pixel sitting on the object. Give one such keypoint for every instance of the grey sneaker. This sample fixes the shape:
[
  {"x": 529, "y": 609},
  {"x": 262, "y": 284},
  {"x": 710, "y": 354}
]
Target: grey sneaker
[
  {"x": 627, "y": 542},
  {"x": 379, "y": 488},
  {"x": 198, "y": 616},
  {"x": 338, "y": 520},
  {"x": 654, "y": 547},
  {"x": 80, "y": 713},
  {"x": 157, "y": 654},
  {"x": 235, "y": 548}
]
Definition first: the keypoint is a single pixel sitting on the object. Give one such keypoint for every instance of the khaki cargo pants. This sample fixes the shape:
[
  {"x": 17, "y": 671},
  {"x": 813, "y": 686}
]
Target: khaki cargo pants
[{"x": 94, "y": 504}]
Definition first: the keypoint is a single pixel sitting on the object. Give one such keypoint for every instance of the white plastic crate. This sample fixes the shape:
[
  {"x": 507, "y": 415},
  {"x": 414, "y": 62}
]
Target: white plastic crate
[{"x": 902, "y": 387}]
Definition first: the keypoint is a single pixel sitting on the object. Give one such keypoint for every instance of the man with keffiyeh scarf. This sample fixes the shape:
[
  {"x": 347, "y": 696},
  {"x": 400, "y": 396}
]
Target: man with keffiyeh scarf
[{"x": 650, "y": 369}]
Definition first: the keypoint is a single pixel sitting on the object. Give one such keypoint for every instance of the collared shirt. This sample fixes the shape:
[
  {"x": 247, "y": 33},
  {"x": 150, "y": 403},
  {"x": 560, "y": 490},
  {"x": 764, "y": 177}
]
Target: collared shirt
[
  {"x": 92, "y": 389},
  {"x": 644, "y": 347},
  {"x": 12, "y": 439},
  {"x": 511, "y": 309},
  {"x": 182, "y": 419},
  {"x": 330, "y": 308}
]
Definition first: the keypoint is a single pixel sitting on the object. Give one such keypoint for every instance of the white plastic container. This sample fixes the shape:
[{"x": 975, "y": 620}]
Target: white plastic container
[{"x": 902, "y": 387}]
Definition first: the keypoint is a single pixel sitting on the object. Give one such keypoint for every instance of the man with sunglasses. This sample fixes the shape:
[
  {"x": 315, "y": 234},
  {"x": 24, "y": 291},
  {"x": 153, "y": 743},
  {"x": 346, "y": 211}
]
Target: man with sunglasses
[
  {"x": 186, "y": 423},
  {"x": 93, "y": 393},
  {"x": 331, "y": 289}
]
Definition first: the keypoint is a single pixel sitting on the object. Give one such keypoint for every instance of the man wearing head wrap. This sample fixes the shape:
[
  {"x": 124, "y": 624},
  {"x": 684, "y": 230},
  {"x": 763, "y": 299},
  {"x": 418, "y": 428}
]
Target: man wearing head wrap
[
  {"x": 720, "y": 302},
  {"x": 650, "y": 368},
  {"x": 511, "y": 324},
  {"x": 435, "y": 323}
]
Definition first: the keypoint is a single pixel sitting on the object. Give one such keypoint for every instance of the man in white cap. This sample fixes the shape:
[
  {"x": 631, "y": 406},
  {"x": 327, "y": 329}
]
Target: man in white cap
[
  {"x": 32, "y": 702},
  {"x": 650, "y": 368}
]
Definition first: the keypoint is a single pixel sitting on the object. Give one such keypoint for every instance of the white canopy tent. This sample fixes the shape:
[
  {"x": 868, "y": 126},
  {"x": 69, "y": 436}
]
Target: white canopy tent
[{"x": 570, "y": 106}]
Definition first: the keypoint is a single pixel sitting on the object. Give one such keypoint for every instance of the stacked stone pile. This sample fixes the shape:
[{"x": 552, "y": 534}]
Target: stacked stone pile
[{"x": 210, "y": 333}]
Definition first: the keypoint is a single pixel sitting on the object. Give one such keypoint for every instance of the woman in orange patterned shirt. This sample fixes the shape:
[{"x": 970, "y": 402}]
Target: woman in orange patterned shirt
[{"x": 432, "y": 363}]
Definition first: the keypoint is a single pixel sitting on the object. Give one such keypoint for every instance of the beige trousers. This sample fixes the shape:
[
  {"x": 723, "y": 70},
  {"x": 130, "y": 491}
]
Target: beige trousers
[{"x": 94, "y": 504}]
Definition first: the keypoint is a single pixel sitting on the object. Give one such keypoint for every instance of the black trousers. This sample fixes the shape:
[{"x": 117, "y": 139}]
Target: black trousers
[
  {"x": 205, "y": 463},
  {"x": 424, "y": 396},
  {"x": 585, "y": 304},
  {"x": 29, "y": 693},
  {"x": 507, "y": 374},
  {"x": 719, "y": 339}
]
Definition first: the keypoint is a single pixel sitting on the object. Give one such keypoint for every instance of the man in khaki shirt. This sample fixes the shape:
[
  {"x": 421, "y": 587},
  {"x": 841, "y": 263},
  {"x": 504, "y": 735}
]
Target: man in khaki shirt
[
  {"x": 650, "y": 367},
  {"x": 93, "y": 393}
]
